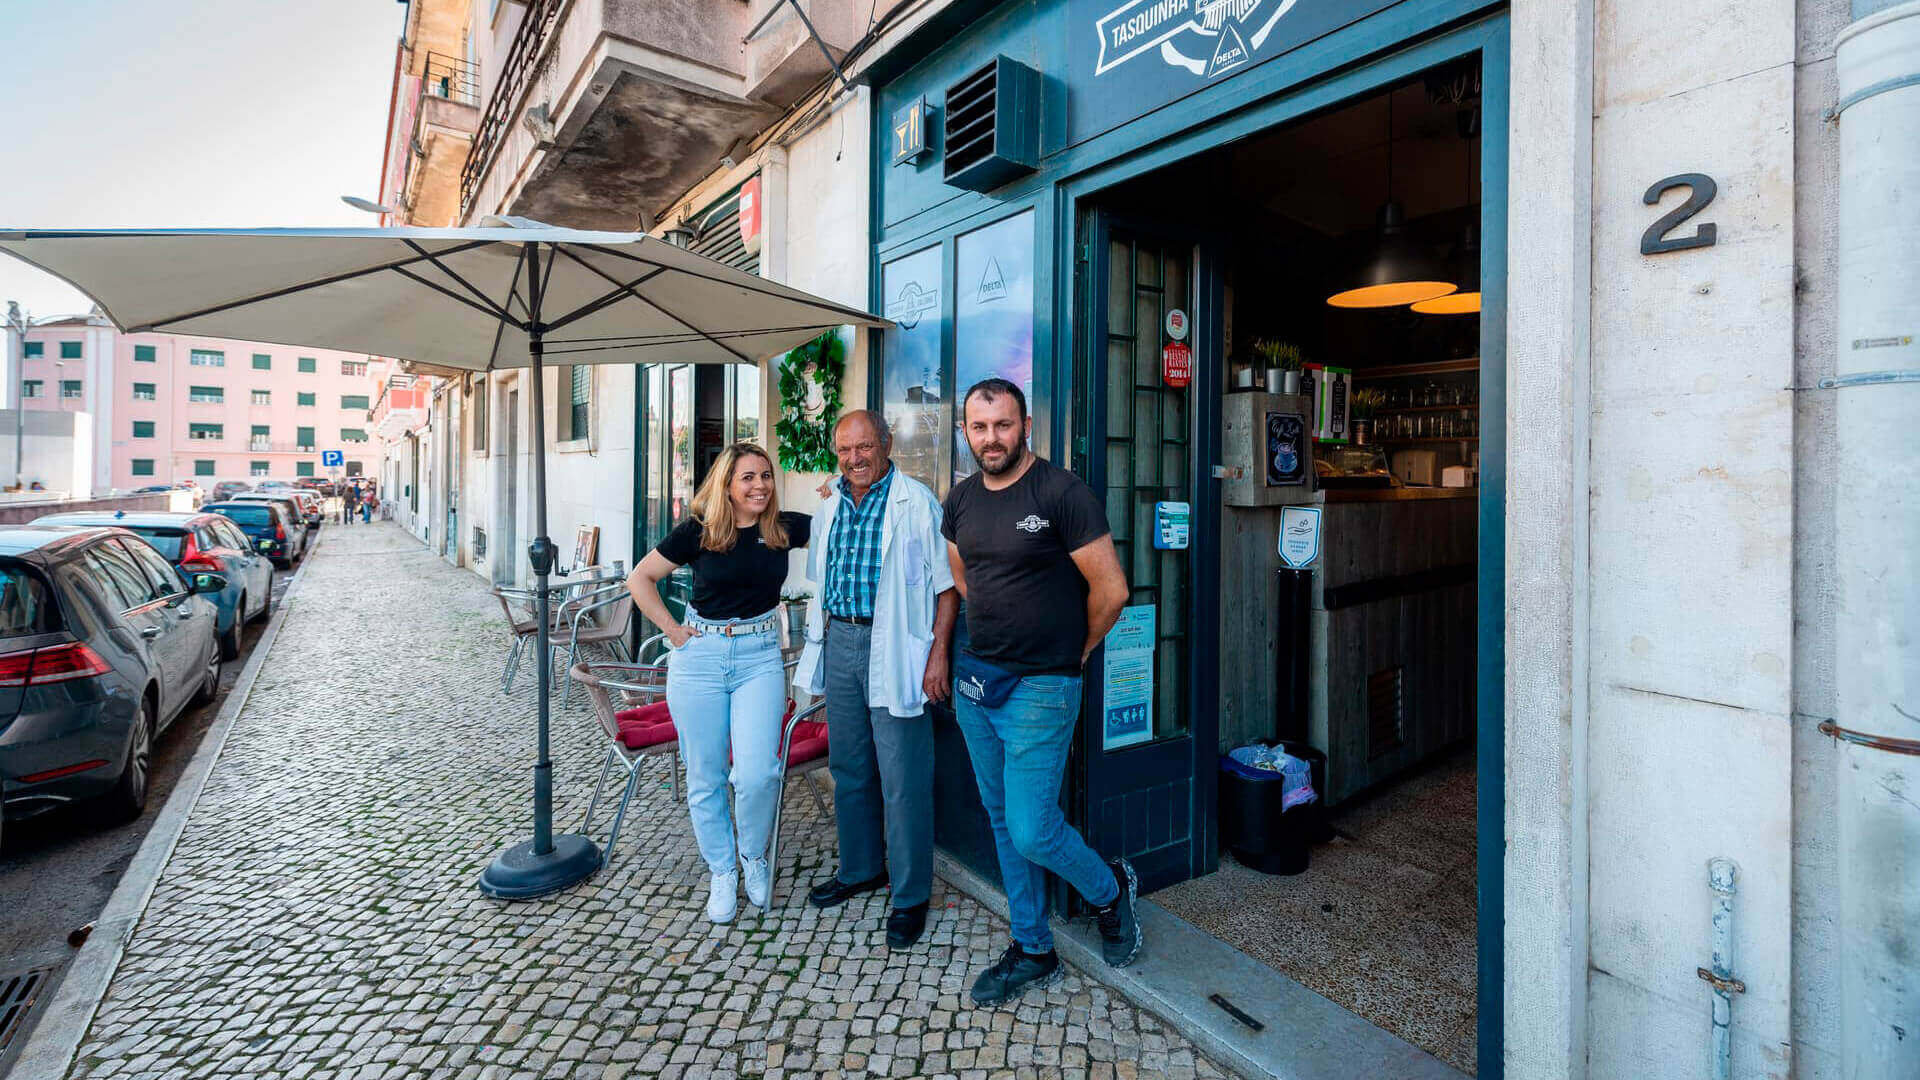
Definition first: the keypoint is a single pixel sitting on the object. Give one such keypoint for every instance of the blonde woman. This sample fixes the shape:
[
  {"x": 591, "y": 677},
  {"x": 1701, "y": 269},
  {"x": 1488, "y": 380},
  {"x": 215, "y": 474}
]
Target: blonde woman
[{"x": 726, "y": 686}]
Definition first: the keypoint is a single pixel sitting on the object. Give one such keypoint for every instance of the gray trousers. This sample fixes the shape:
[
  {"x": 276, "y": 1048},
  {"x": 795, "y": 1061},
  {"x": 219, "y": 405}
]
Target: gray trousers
[{"x": 882, "y": 775}]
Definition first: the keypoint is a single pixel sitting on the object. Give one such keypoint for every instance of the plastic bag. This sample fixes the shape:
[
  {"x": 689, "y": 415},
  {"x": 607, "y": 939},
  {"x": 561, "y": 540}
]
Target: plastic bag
[{"x": 1256, "y": 762}]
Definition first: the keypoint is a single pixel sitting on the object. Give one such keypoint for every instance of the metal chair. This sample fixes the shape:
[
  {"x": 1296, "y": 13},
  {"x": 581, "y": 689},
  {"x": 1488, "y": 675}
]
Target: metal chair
[
  {"x": 580, "y": 628},
  {"x": 564, "y": 600},
  {"x": 803, "y": 752},
  {"x": 637, "y": 727}
]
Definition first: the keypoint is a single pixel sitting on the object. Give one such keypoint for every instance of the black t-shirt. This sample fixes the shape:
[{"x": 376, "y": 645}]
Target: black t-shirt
[
  {"x": 740, "y": 583},
  {"x": 1026, "y": 599}
]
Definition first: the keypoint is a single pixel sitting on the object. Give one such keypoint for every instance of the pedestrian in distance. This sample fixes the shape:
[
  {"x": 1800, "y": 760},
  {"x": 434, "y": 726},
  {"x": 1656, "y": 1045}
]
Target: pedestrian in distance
[
  {"x": 726, "y": 682},
  {"x": 1034, "y": 560},
  {"x": 349, "y": 503},
  {"x": 877, "y": 641}
]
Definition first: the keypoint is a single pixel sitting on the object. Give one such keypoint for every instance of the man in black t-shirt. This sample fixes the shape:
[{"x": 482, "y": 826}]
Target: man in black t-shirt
[{"x": 1034, "y": 559}]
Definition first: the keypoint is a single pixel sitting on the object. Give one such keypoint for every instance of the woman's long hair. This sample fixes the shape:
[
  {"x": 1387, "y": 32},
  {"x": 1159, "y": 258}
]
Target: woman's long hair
[{"x": 713, "y": 509}]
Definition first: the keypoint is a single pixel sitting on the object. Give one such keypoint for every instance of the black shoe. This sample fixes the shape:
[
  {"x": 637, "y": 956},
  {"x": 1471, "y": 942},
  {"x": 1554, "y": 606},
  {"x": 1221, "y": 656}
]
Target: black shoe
[
  {"x": 833, "y": 891},
  {"x": 1119, "y": 930},
  {"x": 1012, "y": 974},
  {"x": 905, "y": 925}
]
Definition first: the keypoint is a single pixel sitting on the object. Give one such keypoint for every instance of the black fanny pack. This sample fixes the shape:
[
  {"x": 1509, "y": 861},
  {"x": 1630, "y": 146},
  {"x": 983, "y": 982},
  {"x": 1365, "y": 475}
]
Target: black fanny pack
[{"x": 982, "y": 682}]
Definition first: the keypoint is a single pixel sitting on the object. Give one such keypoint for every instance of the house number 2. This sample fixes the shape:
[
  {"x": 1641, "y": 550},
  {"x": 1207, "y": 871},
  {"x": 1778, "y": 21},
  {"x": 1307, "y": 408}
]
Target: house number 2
[{"x": 1700, "y": 191}]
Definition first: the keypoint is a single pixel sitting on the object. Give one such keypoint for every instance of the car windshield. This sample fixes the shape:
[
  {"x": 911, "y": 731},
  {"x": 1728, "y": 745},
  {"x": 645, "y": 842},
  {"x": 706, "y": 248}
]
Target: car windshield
[
  {"x": 167, "y": 542},
  {"x": 24, "y": 606},
  {"x": 246, "y": 515}
]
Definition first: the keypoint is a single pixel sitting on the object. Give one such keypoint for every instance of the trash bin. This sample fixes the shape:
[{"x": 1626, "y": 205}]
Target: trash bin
[
  {"x": 1319, "y": 830},
  {"x": 1255, "y": 822}
]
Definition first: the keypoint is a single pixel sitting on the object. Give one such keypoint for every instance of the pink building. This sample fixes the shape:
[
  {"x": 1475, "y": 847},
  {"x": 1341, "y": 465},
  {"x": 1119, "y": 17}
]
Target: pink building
[{"x": 170, "y": 407}]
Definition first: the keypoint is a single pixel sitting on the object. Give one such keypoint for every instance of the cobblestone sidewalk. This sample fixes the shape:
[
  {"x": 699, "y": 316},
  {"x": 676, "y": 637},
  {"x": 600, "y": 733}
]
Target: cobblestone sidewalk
[{"x": 319, "y": 916}]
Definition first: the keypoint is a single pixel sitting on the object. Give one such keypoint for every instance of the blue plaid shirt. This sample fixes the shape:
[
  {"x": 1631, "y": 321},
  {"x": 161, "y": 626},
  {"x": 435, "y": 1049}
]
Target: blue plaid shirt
[{"x": 853, "y": 551}]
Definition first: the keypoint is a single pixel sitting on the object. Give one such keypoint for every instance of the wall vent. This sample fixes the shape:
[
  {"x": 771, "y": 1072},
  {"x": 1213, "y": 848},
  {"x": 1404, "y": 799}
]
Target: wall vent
[
  {"x": 990, "y": 126},
  {"x": 479, "y": 542},
  {"x": 1386, "y": 711}
]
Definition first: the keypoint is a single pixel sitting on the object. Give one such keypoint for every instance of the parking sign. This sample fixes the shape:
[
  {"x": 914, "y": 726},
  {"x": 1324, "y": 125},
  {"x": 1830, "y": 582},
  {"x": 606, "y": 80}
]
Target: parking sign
[{"x": 333, "y": 459}]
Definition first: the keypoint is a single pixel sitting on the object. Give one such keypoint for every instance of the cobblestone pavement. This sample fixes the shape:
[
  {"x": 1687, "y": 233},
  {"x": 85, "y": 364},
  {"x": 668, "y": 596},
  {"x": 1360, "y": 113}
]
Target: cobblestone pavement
[{"x": 319, "y": 916}]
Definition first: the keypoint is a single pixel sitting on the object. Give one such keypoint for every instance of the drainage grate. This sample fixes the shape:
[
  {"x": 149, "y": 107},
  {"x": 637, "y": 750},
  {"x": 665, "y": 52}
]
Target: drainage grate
[{"x": 18, "y": 992}]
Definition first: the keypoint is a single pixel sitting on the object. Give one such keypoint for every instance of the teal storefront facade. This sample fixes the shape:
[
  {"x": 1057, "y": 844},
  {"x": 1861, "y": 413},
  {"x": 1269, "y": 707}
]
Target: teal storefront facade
[{"x": 1006, "y": 255}]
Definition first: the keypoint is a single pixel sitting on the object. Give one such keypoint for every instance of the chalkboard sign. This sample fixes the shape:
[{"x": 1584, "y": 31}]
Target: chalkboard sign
[{"x": 1286, "y": 449}]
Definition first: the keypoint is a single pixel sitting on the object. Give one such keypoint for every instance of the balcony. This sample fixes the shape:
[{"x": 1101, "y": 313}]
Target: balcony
[
  {"x": 605, "y": 111},
  {"x": 435, "y": 112},
  {"x": 401, "y": 408}
]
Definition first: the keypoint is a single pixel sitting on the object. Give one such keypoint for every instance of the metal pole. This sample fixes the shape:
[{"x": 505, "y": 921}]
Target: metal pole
[
  {"x": 1720, "y": 875},
  {"x": 19, "y": 322}
]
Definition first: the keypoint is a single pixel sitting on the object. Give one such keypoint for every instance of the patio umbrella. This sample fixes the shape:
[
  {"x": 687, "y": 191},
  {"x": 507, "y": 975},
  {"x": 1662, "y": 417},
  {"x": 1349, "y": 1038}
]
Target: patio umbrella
[{"x": 468, "y": 299}]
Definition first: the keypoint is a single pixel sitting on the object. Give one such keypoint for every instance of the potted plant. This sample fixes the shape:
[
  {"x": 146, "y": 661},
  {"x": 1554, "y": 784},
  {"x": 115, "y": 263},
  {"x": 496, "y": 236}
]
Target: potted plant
[
  {"x": 795, "y": 602},
  {"x": 1283, "y": 358},
  {"x": 1362, "y": 405}
]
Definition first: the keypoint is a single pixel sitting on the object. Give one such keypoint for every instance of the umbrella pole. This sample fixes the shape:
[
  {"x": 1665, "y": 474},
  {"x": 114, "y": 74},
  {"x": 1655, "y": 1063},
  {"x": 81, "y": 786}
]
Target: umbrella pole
[{"x": 547, "y": 863}]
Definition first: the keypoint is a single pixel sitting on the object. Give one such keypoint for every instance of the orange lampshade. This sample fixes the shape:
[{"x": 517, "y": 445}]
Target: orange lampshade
[
  {"x": 1393, "y": 294},
  {"x": 1460, "y": 303}
]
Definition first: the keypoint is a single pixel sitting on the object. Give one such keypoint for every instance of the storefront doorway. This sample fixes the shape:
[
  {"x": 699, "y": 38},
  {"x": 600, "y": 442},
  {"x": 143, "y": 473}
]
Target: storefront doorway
[{"x": 1189, "y": 303}]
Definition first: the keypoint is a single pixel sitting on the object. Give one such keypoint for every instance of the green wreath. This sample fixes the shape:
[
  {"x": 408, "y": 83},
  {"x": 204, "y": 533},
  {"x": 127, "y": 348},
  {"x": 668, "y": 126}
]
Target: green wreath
[{"x": 806, "y": 444}]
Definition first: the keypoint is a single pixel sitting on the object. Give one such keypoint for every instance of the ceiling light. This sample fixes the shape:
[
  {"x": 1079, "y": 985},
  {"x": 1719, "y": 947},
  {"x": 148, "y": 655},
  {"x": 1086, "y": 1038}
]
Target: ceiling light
[{"x": 1460, "y": 303}]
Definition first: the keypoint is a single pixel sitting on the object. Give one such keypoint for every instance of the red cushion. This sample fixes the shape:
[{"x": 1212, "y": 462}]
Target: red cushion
[
  {"x": 648, "y": 725},
  {"x": 809, "y": 743}
]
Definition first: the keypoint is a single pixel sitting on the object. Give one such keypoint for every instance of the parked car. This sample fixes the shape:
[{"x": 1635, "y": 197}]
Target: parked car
[
  {"x": 326, "y": 489},
  {"x": 152, "y": 488},
  {"x": 303, "y": 506},
  {"x": 199, "y": 543},
  {"x": 270, "y": 524},
  {"x": 103, "y": 644},
  {"x": 227, "y": 489}
]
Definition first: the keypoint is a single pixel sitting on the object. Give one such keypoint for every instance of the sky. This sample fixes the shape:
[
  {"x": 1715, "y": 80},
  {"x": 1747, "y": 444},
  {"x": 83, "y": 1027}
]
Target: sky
[{"x": 117, "y": 113}]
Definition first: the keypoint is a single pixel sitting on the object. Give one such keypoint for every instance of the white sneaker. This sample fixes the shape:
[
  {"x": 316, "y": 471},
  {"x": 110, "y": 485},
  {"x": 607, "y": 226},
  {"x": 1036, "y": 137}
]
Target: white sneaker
[
  {"x": 723, "y": 899},
  {"x": 758, "y": 877}
]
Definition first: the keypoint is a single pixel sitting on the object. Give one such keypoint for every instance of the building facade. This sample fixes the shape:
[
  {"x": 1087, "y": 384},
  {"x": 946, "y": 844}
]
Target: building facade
[
  {"x": 1617, "y": 602},
  {"x": 170, "y": 407}
]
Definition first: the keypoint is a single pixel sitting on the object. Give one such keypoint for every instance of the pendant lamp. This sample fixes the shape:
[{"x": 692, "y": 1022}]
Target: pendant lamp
[
  {"x": 1401, "y": 270},
  {"x": 1466, "y": 263}
]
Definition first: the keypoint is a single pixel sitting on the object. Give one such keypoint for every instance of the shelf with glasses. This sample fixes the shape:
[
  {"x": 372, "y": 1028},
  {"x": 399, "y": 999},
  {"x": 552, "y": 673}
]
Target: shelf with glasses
[
  {"x": 1410, "y": 440},
  {"x": 1387, "y": 409}
]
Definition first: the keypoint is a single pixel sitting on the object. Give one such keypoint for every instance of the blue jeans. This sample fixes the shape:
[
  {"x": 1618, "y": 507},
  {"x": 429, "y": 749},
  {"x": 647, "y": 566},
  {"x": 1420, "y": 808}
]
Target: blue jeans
[
  {"x": 1019, "y": 753},
  {"x": 727, "y": 696}
]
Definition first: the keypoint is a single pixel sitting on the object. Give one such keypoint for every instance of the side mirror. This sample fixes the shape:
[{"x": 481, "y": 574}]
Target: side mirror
[{"x": 208, "y": 583}]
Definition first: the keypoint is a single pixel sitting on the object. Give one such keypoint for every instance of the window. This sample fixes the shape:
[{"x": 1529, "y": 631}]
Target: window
[
  {"x": 746, "y": 403},
  {"x": 914, "y": 396},
  {"x": 207, "y": 395},
  {"x": 479, "y": 408},
  {"x": 304, "y": 399},
  {"x": 304, "y": 438},
  {"x": 121, "y": 583},
  {"x": 263, "y": 397},
  {"x": 258, "y": 468},
  {"x": 207, "y": 358},
  {"x": 163, "y": 581},
  {"x": 262, "y": 361},
  {"x": 143, "y": 466},
  {"x": 71, "y": 388},
  {"x": 143, "y": 354},
  {"x": 143, "y": 391},
  {"x": 303, "y": 468},
  {"x": 354, "y": 401},
  {"x": 356, "y": 468},
  {"x": 353, "y": 367},
  {"x": 35, "y": 349},
  {"x": 213, "y": 432},
  {"x": 308, "y": 365},
  {"x": 202, "y": 467},
  {"x": 258, "y": 438},
  {"x": 70, "y": 350},
  {"x": 31, "y": 387},
  {"x": 352, "y": 434},
  {"x": 993, "y": 322},
  {"x": 579, "y": 394},
  {"x": 143, "y": 429}
]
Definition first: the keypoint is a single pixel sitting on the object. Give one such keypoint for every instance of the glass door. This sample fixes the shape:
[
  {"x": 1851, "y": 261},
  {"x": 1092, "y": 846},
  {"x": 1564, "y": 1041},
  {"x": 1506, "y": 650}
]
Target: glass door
[{"x": 1148, "y": 385}]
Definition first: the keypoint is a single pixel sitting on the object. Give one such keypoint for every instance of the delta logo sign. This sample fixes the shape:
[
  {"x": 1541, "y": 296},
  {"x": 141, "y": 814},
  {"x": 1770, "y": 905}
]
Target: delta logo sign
[{"x": 1205, "y": 37}]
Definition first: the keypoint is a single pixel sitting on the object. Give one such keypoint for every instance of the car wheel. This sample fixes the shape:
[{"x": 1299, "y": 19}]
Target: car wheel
[
  {"x": 129, "y": 796},
  {"x": 210, "y": 681},
  {"x": 230, "y": 641}
]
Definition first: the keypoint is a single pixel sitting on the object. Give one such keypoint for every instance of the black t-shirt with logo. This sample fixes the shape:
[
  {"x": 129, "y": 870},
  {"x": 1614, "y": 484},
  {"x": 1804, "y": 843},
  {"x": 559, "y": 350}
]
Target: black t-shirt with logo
[
  {"x": 1026, "y": 599},
  {"x": 740, "y": 583}
]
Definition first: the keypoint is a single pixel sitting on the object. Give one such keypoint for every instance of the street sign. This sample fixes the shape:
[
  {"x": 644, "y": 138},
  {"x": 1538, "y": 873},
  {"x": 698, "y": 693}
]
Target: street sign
[{"x": 333, "y": 459}]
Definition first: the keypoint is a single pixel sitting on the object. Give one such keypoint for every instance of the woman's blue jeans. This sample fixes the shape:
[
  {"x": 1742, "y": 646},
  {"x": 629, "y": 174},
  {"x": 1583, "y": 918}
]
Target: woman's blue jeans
[
  {"x": 728, "y": 696},
  {"x": 1019, "y": 753}
]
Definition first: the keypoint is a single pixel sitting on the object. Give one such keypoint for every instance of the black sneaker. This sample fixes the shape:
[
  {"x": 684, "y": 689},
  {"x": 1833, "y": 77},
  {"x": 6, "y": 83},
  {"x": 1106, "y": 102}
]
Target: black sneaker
[
  {"x": 1010, "y": 977},
  {"x": 1119, "y": 930}
]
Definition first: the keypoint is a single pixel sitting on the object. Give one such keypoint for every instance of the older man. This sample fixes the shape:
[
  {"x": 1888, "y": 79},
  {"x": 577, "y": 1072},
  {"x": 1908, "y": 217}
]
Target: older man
[{"x": 877, "y": 648}]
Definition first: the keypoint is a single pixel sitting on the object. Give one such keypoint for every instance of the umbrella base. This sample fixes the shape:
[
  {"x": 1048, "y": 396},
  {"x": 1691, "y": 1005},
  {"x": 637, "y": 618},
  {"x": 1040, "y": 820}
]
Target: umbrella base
[{"x": 518, "y": 874}]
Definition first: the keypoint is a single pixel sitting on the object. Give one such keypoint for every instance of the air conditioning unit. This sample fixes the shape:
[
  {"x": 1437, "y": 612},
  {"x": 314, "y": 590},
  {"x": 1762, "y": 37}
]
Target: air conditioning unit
[{"x": 990, "y": 126}]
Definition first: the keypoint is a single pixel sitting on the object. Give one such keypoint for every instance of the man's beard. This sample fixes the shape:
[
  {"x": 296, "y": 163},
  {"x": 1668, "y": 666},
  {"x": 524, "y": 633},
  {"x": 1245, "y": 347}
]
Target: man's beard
[{"x": 1011, "y": 461}]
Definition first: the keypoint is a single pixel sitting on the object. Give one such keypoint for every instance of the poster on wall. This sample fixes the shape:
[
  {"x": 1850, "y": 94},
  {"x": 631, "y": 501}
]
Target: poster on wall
[
  {"x": 1129, "y": 57},
  {"x": 993, "y": 315},
  {"x": 1127, "y": 692},
  {"x": 913, "y": 393}
]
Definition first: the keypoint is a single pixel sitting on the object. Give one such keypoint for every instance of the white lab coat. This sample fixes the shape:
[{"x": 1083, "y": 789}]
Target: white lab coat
[{"x": 913, "y": 574}]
